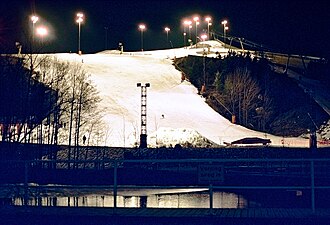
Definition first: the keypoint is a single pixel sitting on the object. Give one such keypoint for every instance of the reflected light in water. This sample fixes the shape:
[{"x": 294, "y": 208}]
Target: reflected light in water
[{"x": 177, "y": 200}]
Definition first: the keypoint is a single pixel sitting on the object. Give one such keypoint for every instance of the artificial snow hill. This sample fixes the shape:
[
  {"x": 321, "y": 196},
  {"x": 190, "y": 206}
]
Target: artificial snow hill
[{"x": 176, "y": 114}]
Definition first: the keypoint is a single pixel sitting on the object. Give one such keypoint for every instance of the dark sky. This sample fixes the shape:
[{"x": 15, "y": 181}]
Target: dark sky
[{"x": 291, "y": 26}]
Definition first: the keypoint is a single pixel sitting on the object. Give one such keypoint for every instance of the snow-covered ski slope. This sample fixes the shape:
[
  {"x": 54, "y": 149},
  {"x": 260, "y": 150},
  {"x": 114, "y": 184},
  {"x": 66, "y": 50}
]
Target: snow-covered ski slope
[{"x": 175, "y": 112}]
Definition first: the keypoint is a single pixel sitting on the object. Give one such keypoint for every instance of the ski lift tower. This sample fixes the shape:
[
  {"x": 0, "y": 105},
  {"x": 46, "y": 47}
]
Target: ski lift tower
[{"x": 143, "y": 134}]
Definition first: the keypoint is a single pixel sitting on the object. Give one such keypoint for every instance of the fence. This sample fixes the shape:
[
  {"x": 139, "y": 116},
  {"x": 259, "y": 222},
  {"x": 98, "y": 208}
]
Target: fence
[{"x": 309, "y": 175}]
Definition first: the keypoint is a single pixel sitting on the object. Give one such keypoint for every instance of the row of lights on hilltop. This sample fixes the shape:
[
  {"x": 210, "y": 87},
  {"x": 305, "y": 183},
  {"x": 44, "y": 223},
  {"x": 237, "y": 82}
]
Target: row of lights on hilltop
[
  {"x": 189, "y": 24},
  {"x": 196, "y": 20},
  {"x": 42, "y": 31}
]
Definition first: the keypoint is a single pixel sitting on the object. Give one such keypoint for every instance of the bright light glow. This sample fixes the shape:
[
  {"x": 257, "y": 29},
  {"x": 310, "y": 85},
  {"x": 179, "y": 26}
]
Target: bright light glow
[
  {"x": 224, "y": 22},
  {"x": 196, "y": 18},
  {"x": 142, "y": 27},
  {"x": 80, "y": 15},
  {"x": 80, "y": 18},
  {"x": 34, "y": 19},
  {"x": 208, "y": 19},
  {"x": 187, "y": 22},
  {"x": 42, "y": 31},
  {"x": 204, "y": 36},
  {"x": 167, "y": 29},
  {"x": 226, "y": 28}
]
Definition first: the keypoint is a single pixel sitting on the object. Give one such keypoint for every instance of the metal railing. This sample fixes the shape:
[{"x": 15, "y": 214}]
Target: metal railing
[{"x": 209, "y": 174}]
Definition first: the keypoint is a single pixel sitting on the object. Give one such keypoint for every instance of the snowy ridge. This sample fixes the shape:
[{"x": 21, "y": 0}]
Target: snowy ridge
[{"x": 175, "y": 112}]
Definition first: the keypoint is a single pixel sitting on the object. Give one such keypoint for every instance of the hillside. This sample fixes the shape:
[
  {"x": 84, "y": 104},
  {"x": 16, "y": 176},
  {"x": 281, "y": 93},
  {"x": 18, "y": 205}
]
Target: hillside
[
  {"x": 176, "y": 113},
  {"x": 286, "y": 107}
]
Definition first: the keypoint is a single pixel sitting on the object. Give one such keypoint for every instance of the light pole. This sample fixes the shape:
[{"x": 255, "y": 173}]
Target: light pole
[
  {"x": 196, "y": 19},
  {"x": 142, "y": 27},
  {"x": 167, "y": 30},
  {"x": 208, "y": 19},
  {"x": 224, "y": 23},
  {"x": 204, "y": 36},
  {"x": 79, "y": 20},
  {"x": 190, "y": 29},
  {"x": 185, "y": 24},
  {"x": 34, "y": 20},
  {"x": 143, "y": 134},
  {"x": 224, "y": 32}
]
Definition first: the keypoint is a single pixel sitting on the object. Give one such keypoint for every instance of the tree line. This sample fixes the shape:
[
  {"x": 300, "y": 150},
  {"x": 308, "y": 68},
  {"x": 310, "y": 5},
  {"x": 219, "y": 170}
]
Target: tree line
[
  {"x": 248, "y": 91},
  {"x": 45, "y": 100}
]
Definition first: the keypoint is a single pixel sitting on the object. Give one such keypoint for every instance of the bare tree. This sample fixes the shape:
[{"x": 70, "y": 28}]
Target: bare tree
[
  {"x": 76, "y": 97},
  {"x": 27, "y": 99},
  {"x": 54, "y": 74},
  {"x": 87, "y": 98},
  {"x": 242, "y": 93}
]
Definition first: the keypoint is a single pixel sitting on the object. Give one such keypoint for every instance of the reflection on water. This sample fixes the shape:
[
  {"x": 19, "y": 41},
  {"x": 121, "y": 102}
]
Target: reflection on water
[{"x": 177, "y": 200}]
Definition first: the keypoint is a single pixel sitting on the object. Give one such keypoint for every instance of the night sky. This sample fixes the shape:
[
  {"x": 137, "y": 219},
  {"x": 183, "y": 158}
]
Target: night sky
[{"x": 298, "y": 27}]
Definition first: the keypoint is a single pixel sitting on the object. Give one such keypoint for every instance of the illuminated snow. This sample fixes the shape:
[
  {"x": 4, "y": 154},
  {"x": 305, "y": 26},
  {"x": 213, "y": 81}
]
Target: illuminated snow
[{"x": 175, "y": 112}]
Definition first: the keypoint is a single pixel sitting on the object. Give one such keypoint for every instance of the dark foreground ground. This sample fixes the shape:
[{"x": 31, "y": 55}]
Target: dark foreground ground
[
  {"x": 152, "y": 216},
  {"x": 132, "y": 172}
]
